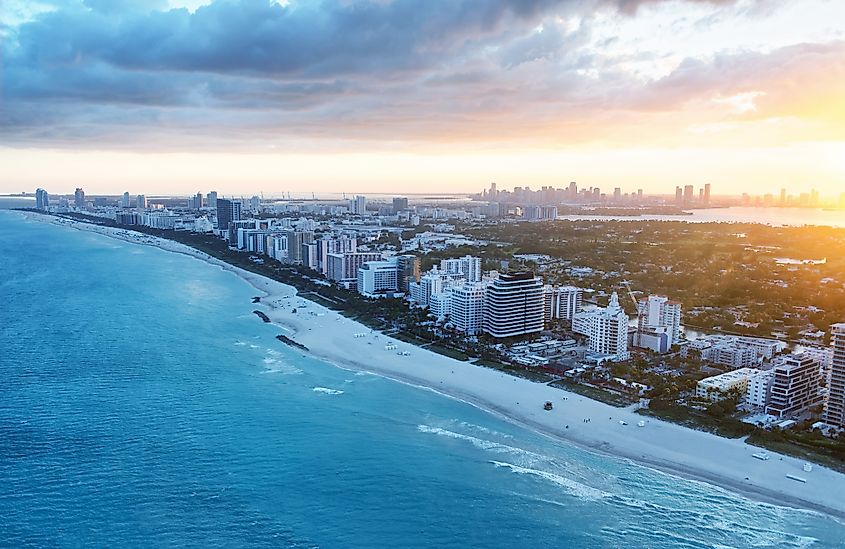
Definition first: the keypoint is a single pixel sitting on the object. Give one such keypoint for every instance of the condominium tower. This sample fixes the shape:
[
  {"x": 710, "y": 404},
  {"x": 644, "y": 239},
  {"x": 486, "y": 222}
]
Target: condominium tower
[
  {"x": 834, "y": 413},
  {"x": 513, "y": 305}
]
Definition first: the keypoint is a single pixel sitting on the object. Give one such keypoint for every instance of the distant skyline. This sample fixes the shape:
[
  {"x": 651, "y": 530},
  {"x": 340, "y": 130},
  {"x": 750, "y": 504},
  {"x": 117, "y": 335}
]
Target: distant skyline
[{"x": 413, "y": 96}]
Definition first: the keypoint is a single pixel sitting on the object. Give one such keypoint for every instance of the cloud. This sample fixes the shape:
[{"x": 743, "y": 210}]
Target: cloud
[{"x": 236, "y": 73}]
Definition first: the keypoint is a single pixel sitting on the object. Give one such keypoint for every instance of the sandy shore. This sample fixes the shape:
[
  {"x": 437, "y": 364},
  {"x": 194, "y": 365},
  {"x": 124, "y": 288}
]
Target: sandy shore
[{"x": 665, "y": 446}]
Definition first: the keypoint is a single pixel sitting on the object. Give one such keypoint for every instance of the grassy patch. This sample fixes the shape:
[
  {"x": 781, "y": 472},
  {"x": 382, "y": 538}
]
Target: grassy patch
[
  {"x": 517, "y": 371},
  {"x": 594, "y": 393},
  {"x": 448, "y": 351},
  {"x": 808, "y": 446},
  {"x": 726, "y": 426}
]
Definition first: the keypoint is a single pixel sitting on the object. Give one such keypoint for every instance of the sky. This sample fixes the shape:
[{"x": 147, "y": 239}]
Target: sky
[{"x": 419, "y": 96}]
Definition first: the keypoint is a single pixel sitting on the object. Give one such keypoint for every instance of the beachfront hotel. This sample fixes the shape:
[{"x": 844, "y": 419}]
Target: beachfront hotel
[
  {"x": 513, "y": 305},
  {"x": 608, "y": 331},
  {"x": 378, "y": 278},
  {"x": 467, "y": 307},
  {"x": 719, "y": 387},
  {"x": 834, "y": 412}
]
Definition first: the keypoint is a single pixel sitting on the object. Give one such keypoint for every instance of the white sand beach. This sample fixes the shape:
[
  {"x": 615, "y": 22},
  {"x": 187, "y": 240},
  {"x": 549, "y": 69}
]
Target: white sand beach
[{"x": 665, "y": 446}]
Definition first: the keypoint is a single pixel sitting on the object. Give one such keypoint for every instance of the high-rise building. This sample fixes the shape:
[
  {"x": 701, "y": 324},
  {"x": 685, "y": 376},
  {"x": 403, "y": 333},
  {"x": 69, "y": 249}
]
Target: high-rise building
[
  {"x": 211, "y": 199},
  {"x": 513, "y": 305},
  {"x": 378, "y": 278},
  {"x": 659, "y": 313},
  {"x": 408, "y": 271},
  {"x": 466, "y": 307},
  {"x": 295, "y": 241},
  {"x": 343, "y": 267},
  {"x": 125, "y": 201},
  {"x": 795, "y": 386},
  {"x": 468, "y": 266},
  {"x": 707, "y": 194},
  {"x": 42, "y": 199},
  {"x": 358, "y": 205},
  {"x": 493, "y": 194},
  {"x": 759, "y": 388},
  {"x": 310, "y": 255},
  {"x": 432, "y": 283},
  {"x": 679, "y": 196},
  {"x": 141, "y": 202},
  {"x": 228, "y": 211},
  {"x": 197, "y": 202},
  {"x": 562, "y": 302},
  {"x": 834, "y": 412},
  {"x": 609, "y": 331},
  {"x": 326, "y": 246},
  {"x": 688, "y": 190},
  {"x": 400, "y": 204},
  {"x": 79, "y": 198}
]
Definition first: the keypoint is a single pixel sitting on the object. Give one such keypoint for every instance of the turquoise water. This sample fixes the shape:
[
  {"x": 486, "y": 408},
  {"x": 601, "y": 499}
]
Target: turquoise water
[{"x": 143, "y": 404}]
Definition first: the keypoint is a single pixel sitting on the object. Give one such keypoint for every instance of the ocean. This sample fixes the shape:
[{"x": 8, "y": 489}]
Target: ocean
[{"x": 142, "y": 403}]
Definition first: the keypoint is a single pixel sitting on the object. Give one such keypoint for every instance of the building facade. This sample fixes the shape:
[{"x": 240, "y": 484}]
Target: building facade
[
  {"x": 658, "y": 313},
  {"x": 795, "y": 386},
  {"x": 608, "y": 331},
  {"x": 722, "y": 386},
  {"x": 468, "y": 267},
  {"x": 834, "y": 412},
  {"x": 42, "y": 199},
  {"x": 343, "y": 268},
  {"x": 466, "y": 308},
  {"x": 228, "y": 211},
  {"x": 513, "y": 305},
  {"x": 562, "y": 302},
  {"x": 759, "y": 387},
  {"x": 378, "y": 278}
]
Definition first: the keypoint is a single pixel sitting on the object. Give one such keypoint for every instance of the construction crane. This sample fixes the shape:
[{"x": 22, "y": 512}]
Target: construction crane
[
  {"x": 631, "y": 294},
  {"x": 637, "y": 305}
]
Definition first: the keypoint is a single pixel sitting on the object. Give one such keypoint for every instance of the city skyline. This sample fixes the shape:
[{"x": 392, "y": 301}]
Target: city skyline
[{"x": 185, "y": 95}]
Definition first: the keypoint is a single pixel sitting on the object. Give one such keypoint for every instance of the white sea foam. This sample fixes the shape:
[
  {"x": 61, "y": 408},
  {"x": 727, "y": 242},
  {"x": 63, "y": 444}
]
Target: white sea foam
[
  {"x": 574, "y": 488},
  {"x": 484, "y": 429},
  {"x": 240, "y": 343},
  {"x": 327, "y": 391},
  {"x": 277, "y": 367},
  {"x": 282, "y": 369},
  {"x": 484, "y": 444}
]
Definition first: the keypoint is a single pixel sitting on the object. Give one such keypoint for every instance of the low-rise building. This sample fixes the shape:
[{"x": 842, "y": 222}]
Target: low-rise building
[{"x": 722, "y": 386}]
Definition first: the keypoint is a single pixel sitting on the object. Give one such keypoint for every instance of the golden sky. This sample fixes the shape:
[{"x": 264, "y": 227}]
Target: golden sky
[{"x": 408, "y": 96}]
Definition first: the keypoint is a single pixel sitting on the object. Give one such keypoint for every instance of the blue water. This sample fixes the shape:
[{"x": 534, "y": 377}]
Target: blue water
[{"x": 143, "y": 404}]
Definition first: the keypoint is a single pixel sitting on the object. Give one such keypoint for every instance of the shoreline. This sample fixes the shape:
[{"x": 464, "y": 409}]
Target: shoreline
[{"x": 666, "y": 447}]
